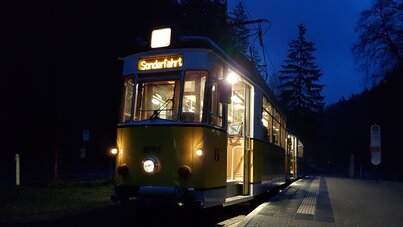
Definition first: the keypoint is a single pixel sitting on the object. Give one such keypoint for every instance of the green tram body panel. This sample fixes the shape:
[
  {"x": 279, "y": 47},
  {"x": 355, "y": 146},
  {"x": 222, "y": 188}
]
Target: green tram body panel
[
  {"x": 267, "y": 162},
  {"x": 174, "y": 147}
]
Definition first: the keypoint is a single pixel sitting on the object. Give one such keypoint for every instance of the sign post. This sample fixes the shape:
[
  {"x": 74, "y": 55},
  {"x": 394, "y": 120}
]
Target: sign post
[
  {"x": 375, "y": 146},
  {"x": 17, "y": 170}
]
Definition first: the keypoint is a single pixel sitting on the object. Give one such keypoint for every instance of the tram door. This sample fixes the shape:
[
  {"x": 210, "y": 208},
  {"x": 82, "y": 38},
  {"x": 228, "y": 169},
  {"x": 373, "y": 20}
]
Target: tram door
[{"x": 238, "y": 139}]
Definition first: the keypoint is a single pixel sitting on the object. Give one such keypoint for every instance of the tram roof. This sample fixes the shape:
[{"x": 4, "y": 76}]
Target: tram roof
[{"x": 238, "y": 60}]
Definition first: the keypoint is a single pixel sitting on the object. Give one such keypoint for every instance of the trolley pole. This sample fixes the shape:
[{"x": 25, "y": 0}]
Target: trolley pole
[{"x": 17, "y": 169}]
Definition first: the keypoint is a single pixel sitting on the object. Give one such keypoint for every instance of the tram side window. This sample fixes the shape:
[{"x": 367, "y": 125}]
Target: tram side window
[
  {"x": 276, "y": 128},
  {"x": 300, "y": 149},
  {"x": 267, "y": 119},
  {"x": 127, "y": 97},
  {"x": 276, "y": 132},
  {"x": 289, "y": 141},
  {"x": 216, "y": 108},
  {"x": 282, "y": 136},
  {"x": 193, "y": 96}
]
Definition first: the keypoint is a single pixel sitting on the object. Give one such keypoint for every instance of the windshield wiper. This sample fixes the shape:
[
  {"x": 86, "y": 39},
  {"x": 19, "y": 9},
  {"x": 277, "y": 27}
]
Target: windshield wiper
[{"x": 158, "y": 111}]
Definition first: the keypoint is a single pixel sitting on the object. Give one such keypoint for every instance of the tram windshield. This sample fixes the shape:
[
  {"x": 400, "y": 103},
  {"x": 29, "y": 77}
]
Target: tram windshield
[
  {"x": 157, "y": 99},
  {"x": 150, "y": 100}
]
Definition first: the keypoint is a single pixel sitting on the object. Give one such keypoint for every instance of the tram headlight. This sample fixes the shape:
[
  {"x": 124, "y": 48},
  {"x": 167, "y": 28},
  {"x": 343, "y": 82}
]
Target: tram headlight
[
  {"x": 114, "y": 151},
  {"x": 150, "y": 165},
  {"x": 199, "y": 152}
]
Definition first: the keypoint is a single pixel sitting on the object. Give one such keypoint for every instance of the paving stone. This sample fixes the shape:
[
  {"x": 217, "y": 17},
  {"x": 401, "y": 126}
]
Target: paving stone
[{"x": 333, "y": 201}]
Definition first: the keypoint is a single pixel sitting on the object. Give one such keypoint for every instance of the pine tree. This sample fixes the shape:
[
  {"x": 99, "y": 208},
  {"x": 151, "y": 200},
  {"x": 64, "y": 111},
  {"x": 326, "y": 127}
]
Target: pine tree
[
  {"x": 204, "y": 18},
  {"x": 240, "y": 37},
  {"x": 300, "y": 90},
  {"x": 257, "y": 60},
  {"x": 299, "y": 78}
]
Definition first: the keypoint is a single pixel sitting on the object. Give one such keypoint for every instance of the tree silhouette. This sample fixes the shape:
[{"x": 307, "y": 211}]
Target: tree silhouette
[
  {"x": 352, "y": 119},
  {"x": 240, "y": 37},
  {"x": 299, "y": 79},
  {"x": 299, "y": 88},
  {"x": 274, "y": 83},
  {"x": 205, "y": 18},
  {"x": 380, "y": 44}
]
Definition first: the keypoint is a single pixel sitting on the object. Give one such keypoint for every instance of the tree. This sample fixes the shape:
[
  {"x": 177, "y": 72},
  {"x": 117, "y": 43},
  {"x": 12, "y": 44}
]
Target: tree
[
  {"x": 380, "y": 43},
  {"x": 257, "y": 60},
  {"x": 205, "y": 18},
  {"x": 240, "y": 37},
  {"x": 274, "y": 83},
  {"x": 299, "y": 79},
  {"x": 352, "y": 119},
  {"x": 300, "y": 91}
]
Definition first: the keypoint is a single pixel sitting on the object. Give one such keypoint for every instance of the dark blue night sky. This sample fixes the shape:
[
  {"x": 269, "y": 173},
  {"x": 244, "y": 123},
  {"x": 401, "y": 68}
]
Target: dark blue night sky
[{"x": 330, "y": 25}]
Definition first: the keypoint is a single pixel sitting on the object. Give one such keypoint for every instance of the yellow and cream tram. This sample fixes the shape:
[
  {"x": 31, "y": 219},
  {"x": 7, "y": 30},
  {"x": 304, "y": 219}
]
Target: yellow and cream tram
[
  {"x": 197, "y": 128},
  {"x": 295, "y": 165}
]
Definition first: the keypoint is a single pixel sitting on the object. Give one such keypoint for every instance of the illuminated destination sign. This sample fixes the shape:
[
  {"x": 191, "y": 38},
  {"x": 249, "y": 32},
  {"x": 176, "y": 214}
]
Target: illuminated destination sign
[{"x": 163, "y": 62}]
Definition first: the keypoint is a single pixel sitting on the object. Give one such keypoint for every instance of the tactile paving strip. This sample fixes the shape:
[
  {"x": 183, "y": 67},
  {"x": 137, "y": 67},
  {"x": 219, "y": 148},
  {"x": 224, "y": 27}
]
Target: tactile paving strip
[{"x": 309, "y": 202}]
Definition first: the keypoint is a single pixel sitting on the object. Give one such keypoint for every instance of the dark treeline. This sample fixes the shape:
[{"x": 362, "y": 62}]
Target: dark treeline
[
  {"x": 379, "y": 50},
  {"x": 347, "y": 129}
]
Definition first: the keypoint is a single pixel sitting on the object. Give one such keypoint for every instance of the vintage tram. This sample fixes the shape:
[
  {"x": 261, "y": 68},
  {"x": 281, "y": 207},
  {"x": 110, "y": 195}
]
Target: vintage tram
[{"x": 198, "y": 128}]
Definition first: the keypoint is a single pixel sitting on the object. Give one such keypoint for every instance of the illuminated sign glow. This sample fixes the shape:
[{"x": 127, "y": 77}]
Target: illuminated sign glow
[{"x": 165, "y": 62}]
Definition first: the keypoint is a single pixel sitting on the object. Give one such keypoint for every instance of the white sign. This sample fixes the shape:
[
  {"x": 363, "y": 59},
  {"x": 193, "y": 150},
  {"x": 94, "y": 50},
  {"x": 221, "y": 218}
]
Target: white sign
[{"x": 375, "y": 147}]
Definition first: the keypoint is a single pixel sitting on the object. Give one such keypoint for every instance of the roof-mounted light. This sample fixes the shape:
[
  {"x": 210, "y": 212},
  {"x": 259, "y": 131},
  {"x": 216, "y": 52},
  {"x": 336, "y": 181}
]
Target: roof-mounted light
[
  {"x": 161, "y": 38},
  {"x": 232, "y": 77}
]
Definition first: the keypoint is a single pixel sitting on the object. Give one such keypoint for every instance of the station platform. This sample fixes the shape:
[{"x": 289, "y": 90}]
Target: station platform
[{"x": 319, "y": 200}]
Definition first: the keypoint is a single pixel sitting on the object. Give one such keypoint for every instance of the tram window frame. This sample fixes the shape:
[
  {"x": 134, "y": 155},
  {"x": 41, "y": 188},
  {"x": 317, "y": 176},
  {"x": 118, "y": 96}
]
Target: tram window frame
[
  {"x": 142, "y": 113},
  {"x": 267, "y": 118},
  {"x": 216, "y": 107},
  {"x": 300, "y": 149},
  {"x": 197, "y": 115},
  {"x": 283, "y": 134},
  {"x": 282, "y": 137},
  {"x": 216, "y": 110},
  {"x": 126, "y": 105},
  {"x": 276, "y": 132}
]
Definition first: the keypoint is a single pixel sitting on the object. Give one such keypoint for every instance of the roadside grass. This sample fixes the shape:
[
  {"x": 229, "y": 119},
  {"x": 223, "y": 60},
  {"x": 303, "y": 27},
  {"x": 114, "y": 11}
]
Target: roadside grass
[{"x": 19, "y": 204}]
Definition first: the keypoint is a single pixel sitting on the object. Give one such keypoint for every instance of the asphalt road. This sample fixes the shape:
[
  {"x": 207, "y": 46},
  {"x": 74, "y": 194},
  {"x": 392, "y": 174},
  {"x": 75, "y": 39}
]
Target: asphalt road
[{"x": 146, "y": 214}]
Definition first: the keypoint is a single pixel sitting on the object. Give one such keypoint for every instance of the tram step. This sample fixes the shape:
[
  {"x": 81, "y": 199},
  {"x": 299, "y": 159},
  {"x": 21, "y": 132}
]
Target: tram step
[{"x": 234, "y": 189}]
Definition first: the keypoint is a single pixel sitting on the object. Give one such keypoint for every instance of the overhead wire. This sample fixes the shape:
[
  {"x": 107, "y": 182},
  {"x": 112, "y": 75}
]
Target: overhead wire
[{"x": 260, "y": 36}]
